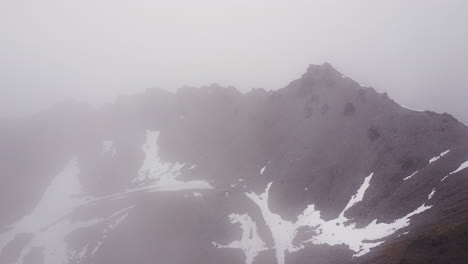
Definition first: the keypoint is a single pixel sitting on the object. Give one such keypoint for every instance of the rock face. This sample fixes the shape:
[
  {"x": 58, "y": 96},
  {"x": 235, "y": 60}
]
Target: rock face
[{"x": 323, "y": 170}]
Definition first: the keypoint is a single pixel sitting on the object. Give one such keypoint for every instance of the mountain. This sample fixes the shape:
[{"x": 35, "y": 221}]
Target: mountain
[{"x": 324, "y": 170}]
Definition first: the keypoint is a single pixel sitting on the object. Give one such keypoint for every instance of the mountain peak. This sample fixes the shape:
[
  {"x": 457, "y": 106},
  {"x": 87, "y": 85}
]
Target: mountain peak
[
  {"x": 320, "y": 71},
  {"x": 322, "y": 154}
]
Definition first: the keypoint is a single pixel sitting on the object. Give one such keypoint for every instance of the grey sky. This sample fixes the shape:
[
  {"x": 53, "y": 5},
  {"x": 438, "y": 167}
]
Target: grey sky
[{"x": 51, "y": 50}]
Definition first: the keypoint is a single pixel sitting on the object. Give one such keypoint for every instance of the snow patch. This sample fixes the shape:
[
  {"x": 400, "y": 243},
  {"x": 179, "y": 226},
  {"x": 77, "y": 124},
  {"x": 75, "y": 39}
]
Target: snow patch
[
  {"x": 283, "y": 231},
  {"x": 50, "y": 221},
  {"x": 431, "y": 194},
  {"x": 157, "y": 175},
  {"x": 339, "y": 231},
  {"x": 250, "y": 243},
  {"x": 360, "y": 240}
]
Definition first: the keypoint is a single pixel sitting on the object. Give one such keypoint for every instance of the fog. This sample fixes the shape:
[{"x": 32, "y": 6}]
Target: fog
[{"x": 94, "y": 50}]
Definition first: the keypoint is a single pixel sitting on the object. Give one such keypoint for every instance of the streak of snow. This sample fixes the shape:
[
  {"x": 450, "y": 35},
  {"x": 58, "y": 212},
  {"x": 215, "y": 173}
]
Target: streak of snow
[
  {"x": 262, "y": 170},
  {"x": 431, "y": 194},
  {"x": 416, "y": 110},
  {"x": 78, "y": 256},
  {"x": 434, "y": 159},
  {"x": 250, "y": 243},
  {"x": 463, "y": 166},
  {"x": 405, "y": 233},
  {"x": 359, "y": 194},
  {"x": 409, "y": 177},
  {"x": 119, "y": 218}
]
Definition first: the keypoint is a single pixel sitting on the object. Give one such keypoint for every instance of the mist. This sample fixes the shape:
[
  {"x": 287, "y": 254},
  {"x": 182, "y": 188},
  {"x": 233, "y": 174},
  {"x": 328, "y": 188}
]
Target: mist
[
  {"x": 335, "y": 160},
  {"x": 93, "y": 51}
]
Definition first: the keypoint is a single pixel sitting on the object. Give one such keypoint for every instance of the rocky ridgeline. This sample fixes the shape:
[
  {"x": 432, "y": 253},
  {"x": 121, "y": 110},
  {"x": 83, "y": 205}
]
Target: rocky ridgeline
[{"x": 324, "y": 170}]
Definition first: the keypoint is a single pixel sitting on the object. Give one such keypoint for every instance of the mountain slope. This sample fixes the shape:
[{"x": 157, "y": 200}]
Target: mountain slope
[{"x": 323, "y": 170}]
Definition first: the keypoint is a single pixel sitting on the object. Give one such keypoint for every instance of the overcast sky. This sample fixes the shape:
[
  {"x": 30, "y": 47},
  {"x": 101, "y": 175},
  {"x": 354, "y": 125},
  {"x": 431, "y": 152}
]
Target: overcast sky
[{"x": 94, "y": 50}]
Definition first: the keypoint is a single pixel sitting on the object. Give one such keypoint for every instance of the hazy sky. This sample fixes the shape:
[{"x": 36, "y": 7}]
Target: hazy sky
[{"x": 51, "y": 50}]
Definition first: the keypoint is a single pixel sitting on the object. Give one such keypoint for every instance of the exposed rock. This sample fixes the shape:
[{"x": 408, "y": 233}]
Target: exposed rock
[{"x": 156, "y": 176}]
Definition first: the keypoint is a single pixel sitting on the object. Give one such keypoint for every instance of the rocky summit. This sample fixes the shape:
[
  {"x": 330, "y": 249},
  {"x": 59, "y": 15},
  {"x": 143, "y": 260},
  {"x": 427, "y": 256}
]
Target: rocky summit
[{"x": 324, "y": 170}]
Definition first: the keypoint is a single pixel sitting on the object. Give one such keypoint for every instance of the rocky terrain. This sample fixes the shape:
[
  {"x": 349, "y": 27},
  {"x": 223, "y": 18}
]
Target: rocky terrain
[{"x": 324, "y": 170}]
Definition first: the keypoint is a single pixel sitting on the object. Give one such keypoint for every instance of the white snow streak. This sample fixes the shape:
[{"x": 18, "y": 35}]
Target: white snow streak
[
  {"x": 431, "y": 194},
  {"x": 412, "y": 109},
  {"x": 262, "y": 170},
  {"x": 409, "y": 177},
  {"x": 359, "y": 195},
  {"x": 434, "y": 159},
  {"x": 463, "y": 166}
]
